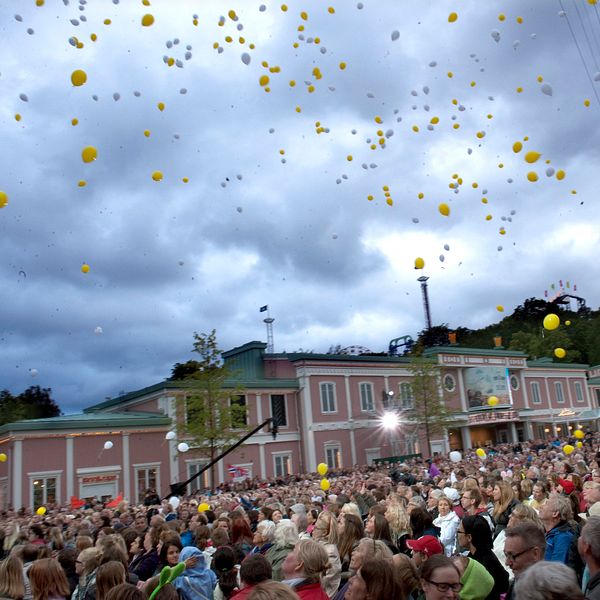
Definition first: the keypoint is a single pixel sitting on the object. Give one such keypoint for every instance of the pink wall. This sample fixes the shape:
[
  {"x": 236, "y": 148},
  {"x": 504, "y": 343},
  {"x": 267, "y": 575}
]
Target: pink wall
[
  {"x": 341, "y": 413},
  {"x": 280, "y": 368}
]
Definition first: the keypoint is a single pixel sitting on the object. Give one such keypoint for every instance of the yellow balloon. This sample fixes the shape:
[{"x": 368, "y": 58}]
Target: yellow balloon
[
  {"x": 567, "y": 323},
  {"x": 322, "y": 469},
  {"x": 444, "y": 209},
  {"x": 452, "y": 17},
  {"x": 78, "y": 77},
  {"x": 41, "y": 510},
  {"x": 568, "y": 449},
  {"x": 492, "y": 401},
  {"x": 419, "y": 263},
  {"x": 480, "y": 452},
  {"x": 161, "y": 106},
  {"x": 559, "y": 352},
  {"x": 517, "y": 147},
  {"x": 579, "y": 444},
  {"x": 500, "y": 308},
  {"x": 578, "y": 434},
  {"x": 157, "y": 175},
  {"x": 532, "y": 157},
  {"x": 3, "y": 457},
  {"x": 560, "y": 174},
  {"x": 147, "y": 20},
  {"x": 325, "y": 485},
  {"x": 551, "y": 322},
  {"x": 203, "y": 507},
  {"x": 3, "y": 199},
  {"x": 85, "y": 268},
  {"x": 89, "y": 154},
  {"x": 532, "y": 176},
  {"x": 264, "y": 80}
]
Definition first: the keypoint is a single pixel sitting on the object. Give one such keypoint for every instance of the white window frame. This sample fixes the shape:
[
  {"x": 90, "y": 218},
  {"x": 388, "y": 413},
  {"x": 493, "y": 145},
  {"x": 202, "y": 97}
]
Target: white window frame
[
  {"x": 282, "y": 455},
  {"x": 333, "y": 447},
  {"x": 333, "y": 397},
  {"x": 368, "y": 406},
  {"x": 204, "y": 478},
  {"x": 141, "y": 467},
  {"x": 535, "y": 394},
  {"x": 407, "y": 401},
  {"x": 578, "y": 392},
  {"x": 560, "y": 392},
  {"x": 285, "y": 407},
  {"x": 44, "y": 475}
]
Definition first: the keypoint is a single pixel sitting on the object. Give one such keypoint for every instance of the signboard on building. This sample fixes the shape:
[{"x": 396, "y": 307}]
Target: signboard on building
[{"x": 483, "y": 382}]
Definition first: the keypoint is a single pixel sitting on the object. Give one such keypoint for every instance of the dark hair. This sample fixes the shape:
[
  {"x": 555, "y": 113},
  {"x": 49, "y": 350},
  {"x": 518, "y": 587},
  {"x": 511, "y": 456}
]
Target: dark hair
[
  {"x": 420, "y": 520},
  {"x": 479, "y": 530},
  {"x": 437, "y": 561},
  {"x": 166, "y": 592},
  {"x": 29, "y": 553},
  {"x": 353, "y": 532},
  {"x": 266, "y": 511},
  {"x": 240, "y": 531},
  {"x": 475, "y": 495},
  {"x": 109, "y": 575},
  {"x": 255, "y": 568},
  {"x": 37, "y": 529},
  {"x": 129, "y": 535},
  {"x": 125, "y": 591},
  {"x": 66, "y": 559},
  {"x": 378, "y": 575},
  {"x": 162, "y": 557},
  {"x": 382, "y": 528},
  {"x": 223, "y": 564}
]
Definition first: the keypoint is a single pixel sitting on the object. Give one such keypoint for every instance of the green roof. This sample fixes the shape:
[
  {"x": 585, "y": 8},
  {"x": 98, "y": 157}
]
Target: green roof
[
  {"x": 297, "y": 356},
  {"x": 547, "y": 363},
  {"x": 96, "y": 420},
  {"x": 473, "y": 351},
  {"x": 594, "y": 381}
]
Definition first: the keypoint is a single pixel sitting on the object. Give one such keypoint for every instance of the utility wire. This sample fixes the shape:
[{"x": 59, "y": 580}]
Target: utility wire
[{"x": 589, "y": 43}]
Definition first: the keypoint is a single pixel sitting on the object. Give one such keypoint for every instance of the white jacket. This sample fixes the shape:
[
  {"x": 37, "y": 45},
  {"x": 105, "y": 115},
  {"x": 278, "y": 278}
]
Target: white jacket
[{"x": 448, "y": 526}]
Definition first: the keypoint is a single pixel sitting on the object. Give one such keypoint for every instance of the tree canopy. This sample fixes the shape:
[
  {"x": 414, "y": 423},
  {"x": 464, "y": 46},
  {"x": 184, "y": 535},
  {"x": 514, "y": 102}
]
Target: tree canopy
[{"x": 33, "y": 403}]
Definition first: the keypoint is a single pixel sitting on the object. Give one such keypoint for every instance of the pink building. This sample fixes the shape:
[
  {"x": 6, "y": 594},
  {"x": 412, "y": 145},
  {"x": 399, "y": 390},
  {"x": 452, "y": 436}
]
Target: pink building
[{"x": 329, "y": 408}]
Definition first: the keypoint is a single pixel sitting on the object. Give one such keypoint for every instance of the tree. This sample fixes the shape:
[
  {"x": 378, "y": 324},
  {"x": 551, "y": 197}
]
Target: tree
[
  {"x": 428, "y": 406},
  {"x": 33, "y": 403},
  {"x": 214, "y": 416}
]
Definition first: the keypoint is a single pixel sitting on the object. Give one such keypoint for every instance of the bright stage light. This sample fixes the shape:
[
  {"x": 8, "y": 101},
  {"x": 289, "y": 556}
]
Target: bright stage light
[{"x": 389, "y": 420}]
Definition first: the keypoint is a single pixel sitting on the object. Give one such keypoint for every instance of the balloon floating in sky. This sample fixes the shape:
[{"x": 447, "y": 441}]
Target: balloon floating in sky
[
  {"x": 147, "y": 20},
  {"x": 78, "y": 77},
  {"x": 546, "y": 89},
  {"x": 85, "y": 268},
  {"x": 89, "y": 154},
  {"x": 500, "y": 308},
  {"x": 157, "y": 175},
  {"x": 395, "y": 35},
  {"x": 444, "y": 209},
  {"x": 551, "y": 322},
  {"x": 170, "y": 435},
  {"x": 419, "y": 263},
  {"x": 203, "y": 507},
  {"x": 3, "y": 199},
  {"x": 560, "y": 352},
  {"x": 452, "y": 17},
  {"x": 532, "y": 157},
  {"x": 33, "y": 372},
  {"x": 98, "y": 330}
]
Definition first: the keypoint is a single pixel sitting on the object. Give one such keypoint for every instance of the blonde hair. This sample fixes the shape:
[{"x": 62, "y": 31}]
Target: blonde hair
[
  {"x": 524, "y": 513},
  {"x": 350, "y": 508},
  {"x": 11, "y": 577},
  {"x": 397, "y": 516},
  {"x": 326, "y": 527},
  {"x": 507, "y": 495},
  {"x": 313, "y": 557},
  {"x": 90, "y": 558}
]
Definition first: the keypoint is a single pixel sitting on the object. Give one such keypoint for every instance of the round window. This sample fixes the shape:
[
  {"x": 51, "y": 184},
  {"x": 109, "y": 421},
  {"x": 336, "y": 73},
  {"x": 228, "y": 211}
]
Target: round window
[
  {"x": 514, "y": 382},
  {"x": 449, "y": 383}
]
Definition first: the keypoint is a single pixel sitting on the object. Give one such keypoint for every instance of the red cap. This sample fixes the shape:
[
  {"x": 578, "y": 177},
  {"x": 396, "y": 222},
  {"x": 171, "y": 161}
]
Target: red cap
[
  {"x": 427, "y": 544},
  {"x": 567, "y": 486}
]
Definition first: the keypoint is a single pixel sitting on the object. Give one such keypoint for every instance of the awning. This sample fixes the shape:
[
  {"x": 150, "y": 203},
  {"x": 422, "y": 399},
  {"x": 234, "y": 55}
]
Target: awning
[{"x": 590, "y": 415}]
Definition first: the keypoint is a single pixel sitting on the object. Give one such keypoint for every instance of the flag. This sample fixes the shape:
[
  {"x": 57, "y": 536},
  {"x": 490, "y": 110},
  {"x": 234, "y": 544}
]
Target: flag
[
  {"x": 76, "y": 502},
  {"x": 114, "y": 503},
  {"x": 236, "y": 471},
  {"x": 264, "y": 308},
  {"x": 434, "y": 471}
]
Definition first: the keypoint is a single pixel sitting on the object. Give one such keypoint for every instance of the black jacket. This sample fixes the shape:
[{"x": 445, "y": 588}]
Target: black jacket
[{"x": 490, "y": 561}]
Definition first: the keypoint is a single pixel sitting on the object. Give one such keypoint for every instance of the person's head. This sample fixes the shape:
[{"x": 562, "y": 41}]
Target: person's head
[
  {"x": 125, "y": 591},
  {"x": 444, "y": 506},
  {"x": 11, "y": 577},
  {"x": 471, "y": 499},
  {"x": 82, "y": 542},
  {"x": 264, "y": 534},
  {"x": 540, "y": 491},
  {"x": 166, "y": 592},
  {"x": 240, "y": 530},
  {"x": 276, "y": 516},
  {"x": 522, "y": 513},
  {"x": 591, "y": 493},
  {"x": 66, "y": 558},
  {"x": 475, "y": 530},
  {"x": 254, "y": 569},
  {"x": 415, "y": 502},
  {"x": 503, "y": 494},
  {"x": 29, "y": 553},
  {"x": 524, "y": 545},
  {"x": 548, "y": 581},
  {"x": 351, "y": 531},
  {"x": 301, "y": 520},
  {"x": 308, "y": 560},
  {"x": 169, "y": 553},
  {"x": 140, "y": 523},
  {"x": 424, "y": 548},
  {"x": 265, "y": 513},
  {"x": 420, "y": 520},
  {"x": 326, "y": 528},
  {"x": 223, "y": 564},
  {"x": 375, "y": 580},
  {"x": 219, "y": 537},
  {"x": 87, "y": 561},
  {"x": 272, "y": 590},
  {"x": 108, "y": 576},
  {"x": 440, "y": 578},
  {"x": 47, "y": 580},
  {"x": 407, "y": 574},
  {"x": 588, "y": 543},
  {"x": 555, "y": 510},
  {"x": 222, "y": 523},
  {"x": 367, "y": 548},
  {"x": 286, "y": 533}
]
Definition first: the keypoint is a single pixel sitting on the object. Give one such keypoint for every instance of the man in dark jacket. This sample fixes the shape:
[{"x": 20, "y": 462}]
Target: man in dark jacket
[{"x": 589, "y": 548}]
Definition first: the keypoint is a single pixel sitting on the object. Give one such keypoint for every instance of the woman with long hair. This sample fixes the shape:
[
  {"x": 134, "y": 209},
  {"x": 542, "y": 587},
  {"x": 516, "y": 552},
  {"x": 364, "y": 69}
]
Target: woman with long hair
[
  {"x": 440, "y": 578},
  {"x": 397, "y": 516},
  {"x": 169, "y": 555},
  {"x": 223, "y": 564},
  {"x": 12, "y": 583},
  {"x": 109, "y": 575},
  {"x": 375, "y": 580},
  {"x": 351, "y": 531},
  {"x": 504, "y": 503},
  {"x": 145, "y": 563},
  {"x": 86, "y": 565},
  {"x": 475, "y": 535},
  {"x": 48, "y": 580},
  {"x": 241, "y": 535},
  {"x": 326, "y": 534},
  {"x": 378, "y": 528}
]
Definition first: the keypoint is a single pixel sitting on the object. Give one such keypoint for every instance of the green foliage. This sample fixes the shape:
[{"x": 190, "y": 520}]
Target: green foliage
[
  {"x": 33, "y": 403},
  {"x": 215, "y": 416},
  {"x": 429, "y": 407}
]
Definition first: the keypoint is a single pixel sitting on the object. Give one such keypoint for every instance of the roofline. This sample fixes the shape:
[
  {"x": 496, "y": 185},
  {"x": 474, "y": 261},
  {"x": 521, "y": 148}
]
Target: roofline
[
  {"x": 483, "y": 351},
  {"x": 299, "y": 356}
]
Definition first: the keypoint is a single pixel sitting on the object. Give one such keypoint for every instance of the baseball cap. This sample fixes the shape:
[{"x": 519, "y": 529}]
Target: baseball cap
[{"x": 426, "y": 544}]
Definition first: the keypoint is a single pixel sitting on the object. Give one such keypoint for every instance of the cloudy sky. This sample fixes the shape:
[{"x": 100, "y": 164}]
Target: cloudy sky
[{"x": 275, "y": 209}]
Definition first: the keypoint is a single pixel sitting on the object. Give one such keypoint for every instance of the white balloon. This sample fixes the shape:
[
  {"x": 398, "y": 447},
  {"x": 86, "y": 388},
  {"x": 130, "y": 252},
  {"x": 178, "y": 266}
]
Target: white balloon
[
  {"x": 183, "y": 447},
  {"x": 546, "y": 89},
  {"x": 455, "y": 456},
  {"x": 395, "y": 35},
  {"x": 33, "y": 372},
  {"x": 108, "y": 445},
  {"x": 170, "y": 435},
  {"x": 174, "y": 502},
  {"x": 496, "y": 35},
  {"x": 98, "y": 330},
  {"x": 246, "y": 58}
]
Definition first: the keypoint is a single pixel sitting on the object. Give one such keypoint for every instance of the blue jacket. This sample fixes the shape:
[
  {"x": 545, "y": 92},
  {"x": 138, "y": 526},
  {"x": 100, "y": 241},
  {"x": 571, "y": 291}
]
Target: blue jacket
[
  {"x": 198, "y": 582},
  {"x": 558, "y": 543}
]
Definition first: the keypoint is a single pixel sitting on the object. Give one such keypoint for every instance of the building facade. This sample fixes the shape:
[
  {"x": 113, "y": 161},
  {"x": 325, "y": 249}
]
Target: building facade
[{"x": 329, "y": 409}]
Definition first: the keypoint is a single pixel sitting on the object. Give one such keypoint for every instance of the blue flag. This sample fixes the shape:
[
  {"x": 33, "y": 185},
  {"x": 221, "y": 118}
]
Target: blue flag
[{"x": 264, "y": 308}]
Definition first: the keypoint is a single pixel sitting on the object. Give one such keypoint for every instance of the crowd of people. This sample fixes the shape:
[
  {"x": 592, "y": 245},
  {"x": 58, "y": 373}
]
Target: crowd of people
[{"x": 520, "y": 522}]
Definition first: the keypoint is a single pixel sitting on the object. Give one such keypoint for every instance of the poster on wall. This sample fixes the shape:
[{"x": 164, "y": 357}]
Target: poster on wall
[{"x": 483, "y": 382}]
